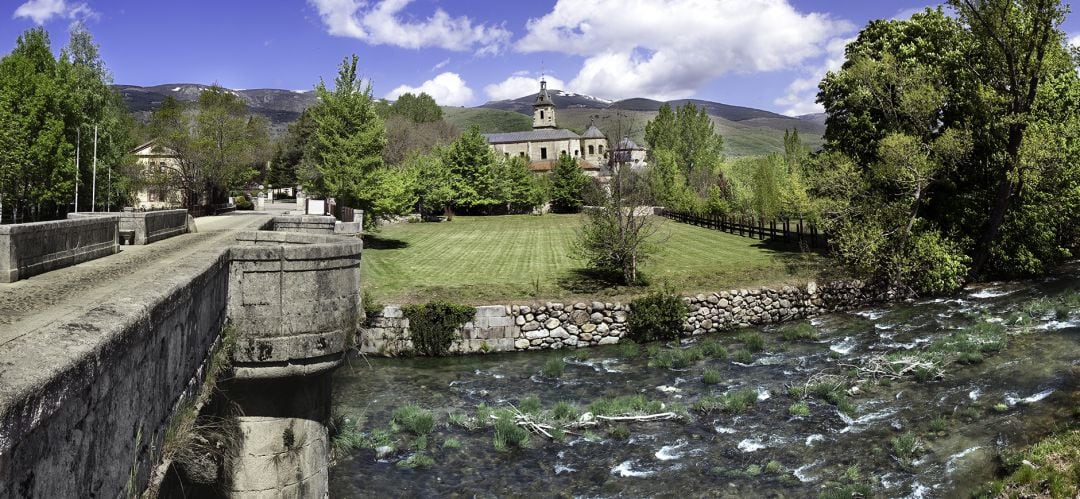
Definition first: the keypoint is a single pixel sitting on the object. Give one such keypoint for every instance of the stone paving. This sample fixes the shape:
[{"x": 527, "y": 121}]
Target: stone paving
[{"x": 32, "y": 303}]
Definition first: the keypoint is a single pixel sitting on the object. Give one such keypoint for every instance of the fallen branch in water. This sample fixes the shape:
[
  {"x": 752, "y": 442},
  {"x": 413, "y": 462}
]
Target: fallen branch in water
[
  {"x": 641, "y": 419},
  {"x": 897, "y": 368}
]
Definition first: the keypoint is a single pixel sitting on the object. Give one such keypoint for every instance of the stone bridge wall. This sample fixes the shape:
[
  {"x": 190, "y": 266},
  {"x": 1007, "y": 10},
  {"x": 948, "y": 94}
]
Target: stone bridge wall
[
  {"x": 34, "y": 248},
  {"x": 148, "y": 226},
  {"x": 89, "y": 418},
  {"x": 507, "y": 328},
  {"x": 307, "y": 224}
]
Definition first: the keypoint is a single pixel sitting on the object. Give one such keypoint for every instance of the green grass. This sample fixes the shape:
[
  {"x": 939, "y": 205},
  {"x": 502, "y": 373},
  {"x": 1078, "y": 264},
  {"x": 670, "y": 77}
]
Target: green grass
[
  {"x": 1050, "y": 468},
  {"x": 523, "y": 257},
  {"x": 414, "y": 419},
  {"x": 489, "y": 120}
]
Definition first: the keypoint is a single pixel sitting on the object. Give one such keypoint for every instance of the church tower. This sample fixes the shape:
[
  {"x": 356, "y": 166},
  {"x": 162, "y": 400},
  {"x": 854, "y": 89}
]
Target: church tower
[{"x": 543, "y": 109}]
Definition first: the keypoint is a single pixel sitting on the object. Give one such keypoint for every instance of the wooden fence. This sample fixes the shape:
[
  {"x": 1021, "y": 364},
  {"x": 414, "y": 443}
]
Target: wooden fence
[{"x": 791, "y": 231}]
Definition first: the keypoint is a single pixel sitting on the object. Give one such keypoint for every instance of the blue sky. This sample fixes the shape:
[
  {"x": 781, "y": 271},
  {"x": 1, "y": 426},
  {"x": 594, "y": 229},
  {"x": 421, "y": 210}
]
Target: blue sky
[{"x": 768, "y": 54}]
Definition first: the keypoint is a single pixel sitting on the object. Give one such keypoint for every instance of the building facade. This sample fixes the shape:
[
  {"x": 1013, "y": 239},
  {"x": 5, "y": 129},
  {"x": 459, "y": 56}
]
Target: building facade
[
  {"x": 157, "y": 165},
  {"x": 542, "y": 146}
]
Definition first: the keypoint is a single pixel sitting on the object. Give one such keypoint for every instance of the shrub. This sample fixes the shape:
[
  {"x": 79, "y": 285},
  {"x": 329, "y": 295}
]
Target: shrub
[
  {"x": 242, "y": 203},
  {"x": 372, "y": 307},
  {"x": 414, "y": 419},
  {"x": 658, "y": 316},
  {"x": 434, "y": 325}
]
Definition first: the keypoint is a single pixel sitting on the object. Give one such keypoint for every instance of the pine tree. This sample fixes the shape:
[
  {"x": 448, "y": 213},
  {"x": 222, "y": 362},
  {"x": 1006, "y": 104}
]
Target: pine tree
[{"x": 472, "y": 169}]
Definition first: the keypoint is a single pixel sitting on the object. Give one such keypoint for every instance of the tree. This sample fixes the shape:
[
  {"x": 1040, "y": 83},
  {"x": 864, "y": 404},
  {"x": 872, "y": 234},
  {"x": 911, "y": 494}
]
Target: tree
[
  {"x": 416, "y": 108},
  {"x": 937, "y": 113},
  {"x": 567, "y": 183},
  {"x": 289, "y": 153},
  {"x": 522, "y": 190},
  {"x": 37, "y": 159},
  {"x": 218, "y": 147},
  {"x": 471, "y": 165},
  {"x": 405, "y": 138},
  {"x": 343, "y": 158},
  {"x": 619, "y": 236},
  {"x": 686, "y": 152}
]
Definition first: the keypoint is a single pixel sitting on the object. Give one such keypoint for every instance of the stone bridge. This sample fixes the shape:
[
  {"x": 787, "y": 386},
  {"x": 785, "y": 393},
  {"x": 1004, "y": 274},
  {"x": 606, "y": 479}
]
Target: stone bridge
[{"x": 96, "y": 359}]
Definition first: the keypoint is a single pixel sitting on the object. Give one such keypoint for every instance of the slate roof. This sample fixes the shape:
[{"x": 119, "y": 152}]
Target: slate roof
[
  {"x": 530, "y": 136},
  {"x": 627, "y": 145},
  {"x": 592, "y": 133}
]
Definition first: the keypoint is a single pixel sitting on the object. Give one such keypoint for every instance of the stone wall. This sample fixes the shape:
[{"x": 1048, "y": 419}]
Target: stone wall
[
  {"x": 35, "y": 248},
  {"x": 81, "y": 420},
  {"x": 307, "y": 224},
  {"x": 147, "y": 226},
  {"x": 506, "y": 328}
]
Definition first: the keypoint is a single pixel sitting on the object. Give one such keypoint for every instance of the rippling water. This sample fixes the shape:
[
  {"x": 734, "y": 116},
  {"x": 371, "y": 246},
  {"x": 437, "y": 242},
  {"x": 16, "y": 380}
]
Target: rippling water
[{"x": 1012, "y": 399}]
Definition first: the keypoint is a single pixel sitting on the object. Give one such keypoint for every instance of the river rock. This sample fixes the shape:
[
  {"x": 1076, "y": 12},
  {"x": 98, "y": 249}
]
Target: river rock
[
  {"x": 580, "y": 306},
  {"x": 585, "y": 336},
  {"x": 559, "y": 332},
  {"x": 588, "y": 328},
  {"x": 610, "y": 340},
  {"x": 571, "y": 341},
  {"x": 579, "y": 317},
  {"x": 538, "y": 334},
  {"x": 596, "y": 306},
  {"x": 519, "y": 320},
  {"x": 602, "y": 328},
  {"x": 383, "y": 451},
  {"x": 521, "y": 344},
  {"x": 620, "y": 316},
  {"x": 552, "y": 323},
  {"x": 531, "y": 326}
]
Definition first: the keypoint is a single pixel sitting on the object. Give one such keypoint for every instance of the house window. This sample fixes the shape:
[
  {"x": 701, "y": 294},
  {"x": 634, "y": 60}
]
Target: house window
[
  {"x": 577, "y": 153},
  {"x": 522, "y": 153},
  {"x": 543, "y": 153},
  {"x": 541, "y": 115},
  {"x": 562, "y": 153},
  {"x": 592, "y": 150},
  {"x": 507, "y": 155}
]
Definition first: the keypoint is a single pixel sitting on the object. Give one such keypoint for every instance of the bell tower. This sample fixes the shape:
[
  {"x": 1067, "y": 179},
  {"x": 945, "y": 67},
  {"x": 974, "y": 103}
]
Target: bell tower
[{"x": 543, "y": 108}]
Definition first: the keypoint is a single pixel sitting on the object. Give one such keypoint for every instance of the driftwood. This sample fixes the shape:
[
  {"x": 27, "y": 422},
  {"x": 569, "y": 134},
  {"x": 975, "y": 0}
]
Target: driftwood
[
  {"x": 526, "y": 421},
  {"x": 881, "y": 367}
]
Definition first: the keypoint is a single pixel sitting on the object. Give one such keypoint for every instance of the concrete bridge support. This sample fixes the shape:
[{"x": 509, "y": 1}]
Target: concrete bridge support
[{"x": 294, "y": 300}]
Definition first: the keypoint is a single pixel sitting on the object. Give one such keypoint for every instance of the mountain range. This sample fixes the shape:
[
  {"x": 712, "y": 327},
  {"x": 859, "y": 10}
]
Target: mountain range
[{"x": 746, "y": 131}]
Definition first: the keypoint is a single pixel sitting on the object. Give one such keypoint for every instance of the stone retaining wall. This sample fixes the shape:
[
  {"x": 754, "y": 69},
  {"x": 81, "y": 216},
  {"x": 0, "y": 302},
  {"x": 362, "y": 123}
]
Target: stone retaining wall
[
  {"x": 507, "y": 328},
  {"x": 34, "y": 248}
]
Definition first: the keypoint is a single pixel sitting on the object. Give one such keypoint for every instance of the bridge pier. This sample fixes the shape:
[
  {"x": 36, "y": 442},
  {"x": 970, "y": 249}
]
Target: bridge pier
[{"x": 294, "y": 300}]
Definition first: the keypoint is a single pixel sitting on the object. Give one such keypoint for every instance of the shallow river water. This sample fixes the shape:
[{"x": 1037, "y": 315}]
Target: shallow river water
[{"x": 963, "y": 421}]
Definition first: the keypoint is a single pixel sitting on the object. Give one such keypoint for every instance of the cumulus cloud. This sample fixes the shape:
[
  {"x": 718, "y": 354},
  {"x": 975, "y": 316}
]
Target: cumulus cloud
[
  {"x": 448, "y": 89},
  {"x": 41, "y": 11},
  {"x": 383, "y": 23},
  {"x": 802, "y": 92},
  {"x": 1075, "y": 40},
  {"x": 668, "y": 49},
  {"x": 520, "y": 84}
]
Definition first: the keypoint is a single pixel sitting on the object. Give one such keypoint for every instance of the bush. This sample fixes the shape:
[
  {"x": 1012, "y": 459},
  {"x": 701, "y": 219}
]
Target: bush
[
  {"x": 434, "y": 326},
  {"x": 372, "y": 307},
  {"x": 242, "y": 203},
  {"x": 658, "y": 316}
]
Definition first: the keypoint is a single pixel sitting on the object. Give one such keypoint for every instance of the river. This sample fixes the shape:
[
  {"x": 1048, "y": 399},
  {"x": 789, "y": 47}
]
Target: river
[{"x": 962, "y": 421}]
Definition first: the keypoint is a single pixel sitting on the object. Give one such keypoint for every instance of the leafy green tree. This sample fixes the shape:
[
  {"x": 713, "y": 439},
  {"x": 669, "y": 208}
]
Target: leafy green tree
[
  {"x": 289, "y": 153},
  {"x": 472, "y": 170},
  {"x": 661, "y": 132},
  {"x": 567, "y": 183},
  {"x": 416, "y": 108},
  {"x": 343, "y": 158},
  {"x": 522, "y": 191},
  {"x": 405, "y": 137},
  {"x": 434, "y": 183},
  {"x": 38, "y": 170},
  {"x": 686, "y": 154}
]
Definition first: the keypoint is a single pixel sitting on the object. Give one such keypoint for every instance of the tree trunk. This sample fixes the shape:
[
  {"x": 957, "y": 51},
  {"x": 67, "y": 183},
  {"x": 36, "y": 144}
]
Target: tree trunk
[{"x": 1001, "y": 204}]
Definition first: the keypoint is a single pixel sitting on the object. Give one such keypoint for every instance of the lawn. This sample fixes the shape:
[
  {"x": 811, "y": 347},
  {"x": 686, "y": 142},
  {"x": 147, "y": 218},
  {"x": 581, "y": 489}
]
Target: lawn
[{"x": 527, "y": 258}]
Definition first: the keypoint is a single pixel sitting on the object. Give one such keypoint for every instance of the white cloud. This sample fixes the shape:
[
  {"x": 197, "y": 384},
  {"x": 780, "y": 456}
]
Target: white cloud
[
  {"x": 448, "y": 89},
  {"x": 384, "y": 24},
  {"x": 1075, "y": 41},
  {"x": 519, "y": 85},
  {"x": 802, "y": 92},
  {"x": 668, "y": 49},
  {"x": 43, "y": 10},
  {"x": 441, "y": 64}
]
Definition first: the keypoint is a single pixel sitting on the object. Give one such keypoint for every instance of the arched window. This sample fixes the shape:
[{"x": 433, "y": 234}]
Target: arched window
[
  {"x": 592, "y": 150},
  {"x": 601, "y": 149},
  {"x": 541, "y": 115},
  {"x": 576, "y": 153}
]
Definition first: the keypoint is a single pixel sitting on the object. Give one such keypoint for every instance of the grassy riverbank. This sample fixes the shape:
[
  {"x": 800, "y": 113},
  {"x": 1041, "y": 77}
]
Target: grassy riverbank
[{"x": 525, "y": 258}]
